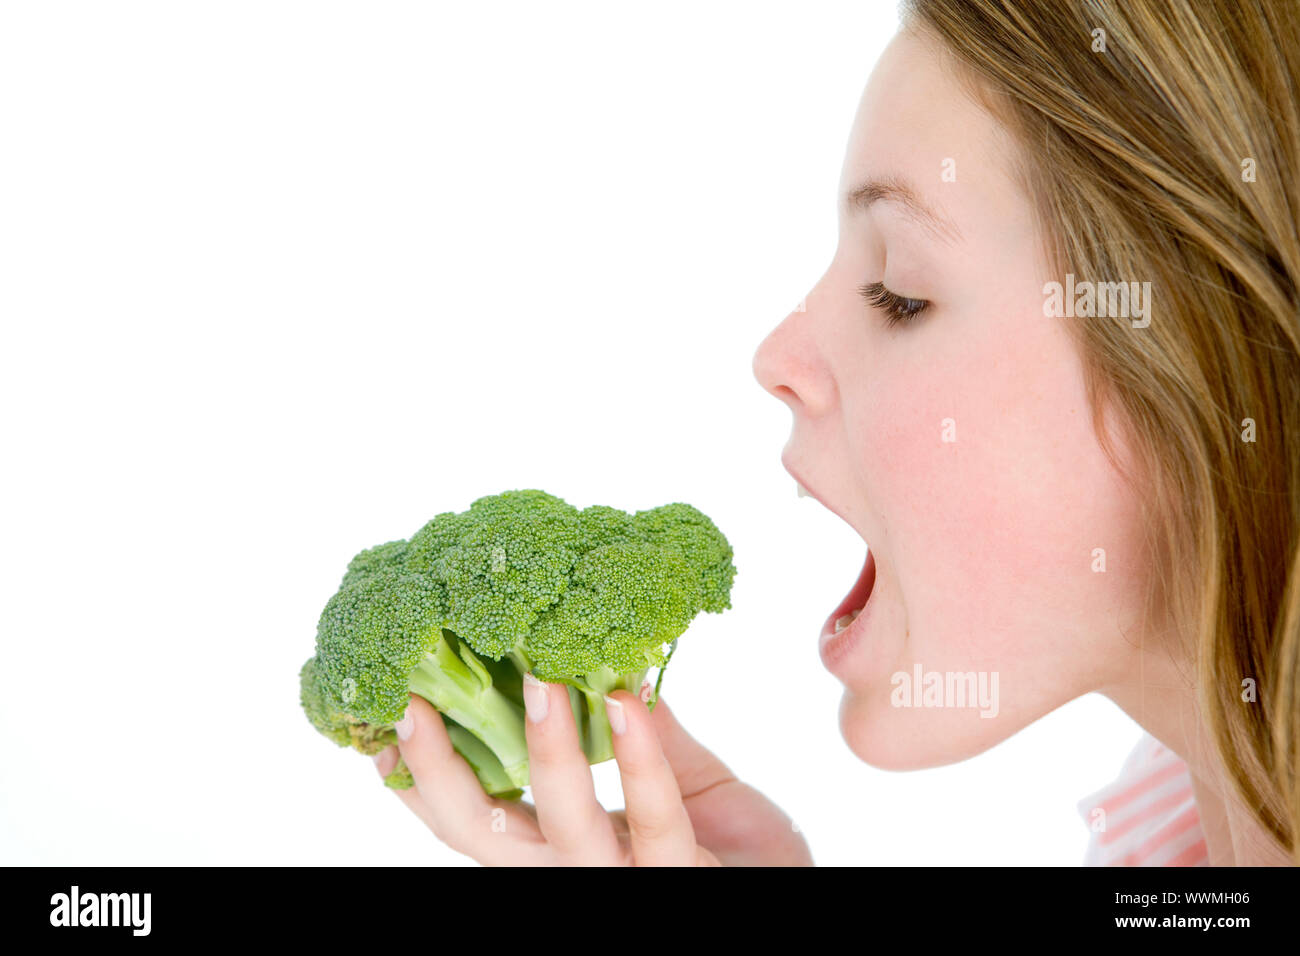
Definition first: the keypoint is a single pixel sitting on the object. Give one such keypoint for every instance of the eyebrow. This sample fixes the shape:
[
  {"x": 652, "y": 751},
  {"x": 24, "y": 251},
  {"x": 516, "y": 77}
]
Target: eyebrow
[{"x": 892, "y": 189}]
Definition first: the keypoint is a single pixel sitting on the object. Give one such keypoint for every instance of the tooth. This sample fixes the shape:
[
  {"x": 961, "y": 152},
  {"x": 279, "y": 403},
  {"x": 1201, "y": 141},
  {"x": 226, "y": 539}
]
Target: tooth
[
  {"x": 803, "y": 492},
  {"x": 842, "y": 622}
]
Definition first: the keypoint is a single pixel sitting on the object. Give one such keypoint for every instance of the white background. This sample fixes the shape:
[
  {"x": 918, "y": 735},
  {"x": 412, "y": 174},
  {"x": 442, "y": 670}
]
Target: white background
[{"x": 280, "y": 281}]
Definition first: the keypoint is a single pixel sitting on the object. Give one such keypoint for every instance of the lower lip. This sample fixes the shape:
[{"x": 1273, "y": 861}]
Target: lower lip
[{"x": 832, "y": 646}]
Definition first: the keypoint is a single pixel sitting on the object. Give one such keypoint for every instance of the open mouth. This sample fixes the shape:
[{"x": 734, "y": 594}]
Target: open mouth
[
  {"x": 848, "y": 619},
  {"x": 850, "y": 609}
]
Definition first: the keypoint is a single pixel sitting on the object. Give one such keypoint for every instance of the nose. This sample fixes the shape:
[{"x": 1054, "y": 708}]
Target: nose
[{"x": 787, "y": 363}]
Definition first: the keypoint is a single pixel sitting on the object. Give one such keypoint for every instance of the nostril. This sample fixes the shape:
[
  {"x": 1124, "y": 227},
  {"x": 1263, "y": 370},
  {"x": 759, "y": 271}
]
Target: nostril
[{"x": 783, "y": 392}]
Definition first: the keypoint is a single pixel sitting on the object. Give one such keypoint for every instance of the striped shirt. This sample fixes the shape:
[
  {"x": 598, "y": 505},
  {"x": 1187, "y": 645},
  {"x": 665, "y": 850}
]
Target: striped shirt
[{"x": 1147, "y": 816}]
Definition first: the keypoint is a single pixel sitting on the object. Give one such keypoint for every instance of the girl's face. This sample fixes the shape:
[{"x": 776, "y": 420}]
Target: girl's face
[{"x": 957, "y": 441}]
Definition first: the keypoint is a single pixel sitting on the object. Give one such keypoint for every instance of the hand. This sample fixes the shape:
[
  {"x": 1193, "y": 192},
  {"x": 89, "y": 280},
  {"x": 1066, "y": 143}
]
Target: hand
[{"x": 684, "y": 807}]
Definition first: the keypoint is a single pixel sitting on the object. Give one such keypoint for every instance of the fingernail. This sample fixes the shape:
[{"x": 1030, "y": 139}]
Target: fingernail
[
  {"x": 646, "y": 690},
  {"x": 617, "y": 719},
  {"x": 535, "y": 701},
  {"x": 404, "y": 727}
]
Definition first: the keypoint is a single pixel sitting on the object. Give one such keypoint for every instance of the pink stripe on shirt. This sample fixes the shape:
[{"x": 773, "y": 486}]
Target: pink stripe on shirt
[
  {"x": 1147, "y": 816},
  {"x": 1146, "y": 784}
]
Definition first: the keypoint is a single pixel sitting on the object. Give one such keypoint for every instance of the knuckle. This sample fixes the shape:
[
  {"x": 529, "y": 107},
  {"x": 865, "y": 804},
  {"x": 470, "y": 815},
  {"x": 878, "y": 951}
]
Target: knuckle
[
  {"x": 650, "y": 825},
  {"x": 573, "y": 836},
  {"x": 637, "y": 766},
  {"x": 558, "y": 759}
]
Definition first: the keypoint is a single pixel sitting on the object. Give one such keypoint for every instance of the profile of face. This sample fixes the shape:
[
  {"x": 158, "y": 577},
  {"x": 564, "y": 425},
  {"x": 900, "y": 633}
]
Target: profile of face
[{"x": 939, "y": 413}]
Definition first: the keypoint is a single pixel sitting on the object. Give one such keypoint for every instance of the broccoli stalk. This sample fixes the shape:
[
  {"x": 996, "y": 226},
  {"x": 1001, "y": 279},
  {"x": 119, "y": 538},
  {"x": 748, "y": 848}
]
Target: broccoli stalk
[
  {"x": 464, "y": 687},
  {"x": 588, "y": 698},
  {"x": 482, "y": 761},
  {"x": 454, "y": 680}
]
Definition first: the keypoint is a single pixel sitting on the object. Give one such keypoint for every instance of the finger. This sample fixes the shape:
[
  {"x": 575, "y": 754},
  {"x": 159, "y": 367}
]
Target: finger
[
  {"x": 659, "y": 829},
  {"x": 386, "y": 760},
  {"x": 447, "y": 796},
  {"x": 695, "y": 767},
  {"x": 571, "y": 819}
]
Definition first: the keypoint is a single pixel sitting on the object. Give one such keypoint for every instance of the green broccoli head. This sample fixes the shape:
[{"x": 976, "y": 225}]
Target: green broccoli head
[
  {"x": 324, "y": 716},
  {"x": 683, "y": 530},
  {"x": 342, "y": 728},
  {"x": 391, "y": 557},
  {"x": 624, "y": 602},
  {"x": 503, "y": 563},
  {"x": 373, "y": 632},
  {"x": 521, "y": 581},
  {"x": 572, "y": 590}
]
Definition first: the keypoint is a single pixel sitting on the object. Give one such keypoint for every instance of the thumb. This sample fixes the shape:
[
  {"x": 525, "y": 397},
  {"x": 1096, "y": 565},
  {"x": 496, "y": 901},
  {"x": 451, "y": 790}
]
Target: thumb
[{"x": 695, "y": 767}]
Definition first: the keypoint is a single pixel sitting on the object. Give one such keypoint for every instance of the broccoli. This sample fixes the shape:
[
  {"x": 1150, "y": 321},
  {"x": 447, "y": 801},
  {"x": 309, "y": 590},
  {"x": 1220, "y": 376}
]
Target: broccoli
[{"x": 520, "y": 583}]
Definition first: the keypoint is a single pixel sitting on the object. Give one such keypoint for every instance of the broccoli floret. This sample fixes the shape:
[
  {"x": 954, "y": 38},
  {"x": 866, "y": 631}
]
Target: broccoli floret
[{"x": 520, "y": 583}]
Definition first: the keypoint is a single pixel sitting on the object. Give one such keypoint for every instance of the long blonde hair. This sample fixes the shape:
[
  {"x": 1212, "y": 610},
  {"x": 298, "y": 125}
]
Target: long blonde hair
[{"x": 1162, "y": 141}]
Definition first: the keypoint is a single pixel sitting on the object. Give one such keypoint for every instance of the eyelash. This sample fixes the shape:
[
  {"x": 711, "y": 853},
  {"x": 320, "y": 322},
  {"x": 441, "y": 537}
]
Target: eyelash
[{"x": 899, "y": 310}]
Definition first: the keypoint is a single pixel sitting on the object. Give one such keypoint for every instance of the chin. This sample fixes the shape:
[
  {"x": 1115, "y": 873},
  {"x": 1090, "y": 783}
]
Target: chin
[{"x": 911, "y": 738}]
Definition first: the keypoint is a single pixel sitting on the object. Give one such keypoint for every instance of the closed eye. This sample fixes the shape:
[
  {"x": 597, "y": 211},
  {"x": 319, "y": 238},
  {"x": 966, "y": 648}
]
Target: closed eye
[{"x": 898, "y": 309}]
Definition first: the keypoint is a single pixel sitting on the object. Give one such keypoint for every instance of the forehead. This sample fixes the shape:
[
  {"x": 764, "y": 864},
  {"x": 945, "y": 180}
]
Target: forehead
[{"x": 915, "y": 121}]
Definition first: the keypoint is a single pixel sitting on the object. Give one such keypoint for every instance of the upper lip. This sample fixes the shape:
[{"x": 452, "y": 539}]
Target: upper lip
[{"x": 785, "y": 463}]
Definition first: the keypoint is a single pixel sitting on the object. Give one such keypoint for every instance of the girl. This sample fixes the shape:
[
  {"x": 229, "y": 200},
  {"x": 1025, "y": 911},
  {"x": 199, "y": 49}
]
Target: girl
[{"x": 1052, "y": 378}]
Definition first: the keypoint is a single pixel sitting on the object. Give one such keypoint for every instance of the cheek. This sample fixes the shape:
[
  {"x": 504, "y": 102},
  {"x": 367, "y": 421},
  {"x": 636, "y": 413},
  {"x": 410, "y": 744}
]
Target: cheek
[{"x": 992, "y": 493}]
